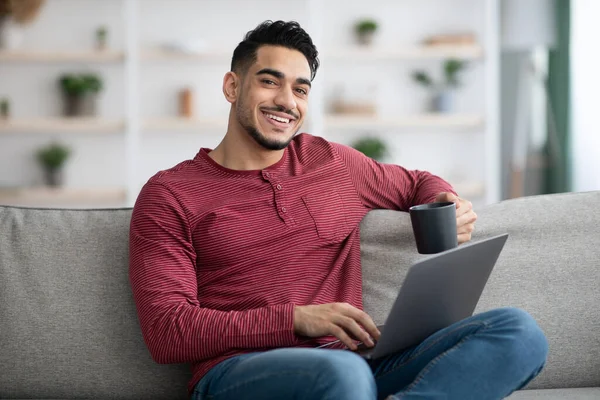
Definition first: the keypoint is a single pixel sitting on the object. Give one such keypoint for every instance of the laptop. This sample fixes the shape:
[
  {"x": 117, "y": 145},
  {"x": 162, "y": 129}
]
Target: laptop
[{"x": 437, "y": 292}]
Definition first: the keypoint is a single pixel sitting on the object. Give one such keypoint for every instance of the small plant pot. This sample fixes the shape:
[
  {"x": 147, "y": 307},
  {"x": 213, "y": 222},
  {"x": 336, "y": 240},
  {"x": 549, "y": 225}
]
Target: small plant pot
[
  {"x": 54, "y": 177},
  {"x": 443, "y": 101},
  {"x": 101, "y": 43},
  {"x": 365, "y": 39},
  {"x": 80, "y": 105}
]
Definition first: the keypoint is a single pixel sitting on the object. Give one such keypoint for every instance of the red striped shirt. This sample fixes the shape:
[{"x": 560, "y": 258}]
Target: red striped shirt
[{"x": 219, "y": 258}]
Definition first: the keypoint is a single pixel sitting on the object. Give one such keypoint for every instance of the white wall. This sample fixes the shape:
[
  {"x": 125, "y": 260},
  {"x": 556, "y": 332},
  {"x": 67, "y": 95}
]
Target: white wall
[
  {"x": 100, "y": 159},
  {"x": 585, "y": 84}
]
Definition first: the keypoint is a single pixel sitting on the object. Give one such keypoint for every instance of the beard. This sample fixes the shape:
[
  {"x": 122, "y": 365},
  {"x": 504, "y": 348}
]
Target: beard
[{"x": 244, "y": 116}]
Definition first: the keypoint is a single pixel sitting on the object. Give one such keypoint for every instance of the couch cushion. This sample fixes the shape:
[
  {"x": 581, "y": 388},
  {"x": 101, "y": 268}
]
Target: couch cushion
[
  {"x": 69, "y": 327},
  {"x": 549, "y": 267},
  {"x": 557, "y": 394}
]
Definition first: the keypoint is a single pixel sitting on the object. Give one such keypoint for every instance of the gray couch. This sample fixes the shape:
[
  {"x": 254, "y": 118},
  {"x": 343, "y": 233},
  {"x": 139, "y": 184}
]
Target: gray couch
[{"x": 68, "y": 327}]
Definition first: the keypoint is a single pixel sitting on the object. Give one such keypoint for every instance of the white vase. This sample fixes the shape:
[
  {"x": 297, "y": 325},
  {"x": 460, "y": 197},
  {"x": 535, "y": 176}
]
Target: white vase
[{"x": 11, "y": 35}]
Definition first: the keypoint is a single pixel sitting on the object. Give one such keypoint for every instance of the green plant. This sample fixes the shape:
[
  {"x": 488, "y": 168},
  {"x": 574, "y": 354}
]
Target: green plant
[
  {"x": 366, "y": 26},
  {"x": 371, "y": 147},
  {"x": 451, "y": 69},
  {"x": 78, "y": 84},
  {"x": 53, "y": 156},
  {"x": 101, "y": 33},
  {"x": 4, "y": 107}
]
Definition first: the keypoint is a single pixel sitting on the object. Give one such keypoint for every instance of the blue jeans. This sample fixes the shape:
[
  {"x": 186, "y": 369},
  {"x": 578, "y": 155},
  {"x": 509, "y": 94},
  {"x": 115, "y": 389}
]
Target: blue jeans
[{"x": 486, "y": 356}]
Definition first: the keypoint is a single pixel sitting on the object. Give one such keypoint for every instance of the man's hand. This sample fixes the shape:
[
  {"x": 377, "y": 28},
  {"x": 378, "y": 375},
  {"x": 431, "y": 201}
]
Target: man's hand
[
  {"x": 465, "y": 216},
  {"x": 341, "y": 320}
]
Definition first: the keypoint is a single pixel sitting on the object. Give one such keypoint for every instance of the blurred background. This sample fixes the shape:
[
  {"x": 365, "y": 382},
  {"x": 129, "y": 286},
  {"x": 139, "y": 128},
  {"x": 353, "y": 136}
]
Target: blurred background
[{"x": 96, "y": 96}]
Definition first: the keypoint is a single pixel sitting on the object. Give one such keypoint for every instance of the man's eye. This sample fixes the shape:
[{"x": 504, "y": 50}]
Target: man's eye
[
  {"x": 268, "y": 81},
  {"x": 302, "y": 91}
]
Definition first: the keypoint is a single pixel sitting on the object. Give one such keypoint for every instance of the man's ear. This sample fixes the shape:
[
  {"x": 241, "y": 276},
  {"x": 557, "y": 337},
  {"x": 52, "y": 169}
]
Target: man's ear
[{"x": 231, "y": 86}]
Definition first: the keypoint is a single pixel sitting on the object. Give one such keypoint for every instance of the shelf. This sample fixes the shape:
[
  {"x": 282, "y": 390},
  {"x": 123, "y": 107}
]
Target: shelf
[
  {"x": 167, "y": 55},
  {"x": 184, "y": 124},
  {"x": 410, "y": 121},
  {"x": 69, "y": 125},
  {"x": 469, "y": 52},
  {"x": 55, "y": 197},
  {"x": 351, "y": 53},
  {"x": 106, "y": 56}
]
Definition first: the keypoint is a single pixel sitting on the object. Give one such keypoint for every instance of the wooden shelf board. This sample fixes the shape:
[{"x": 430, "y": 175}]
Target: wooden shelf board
[
  {"x": 51, "y": 197},
  {"x": 357, "y": 53},
  {"x": 62, "y": 56},
  {"x": 166, "y": 55},
  {"x": 58, "y": 124},
  {"x": 339, "y": 121},
  {"x": 183, "y": 124}
]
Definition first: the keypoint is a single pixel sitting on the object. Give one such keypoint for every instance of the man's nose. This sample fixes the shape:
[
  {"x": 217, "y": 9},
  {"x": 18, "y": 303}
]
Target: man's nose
[{"x": 285, "y": 98}]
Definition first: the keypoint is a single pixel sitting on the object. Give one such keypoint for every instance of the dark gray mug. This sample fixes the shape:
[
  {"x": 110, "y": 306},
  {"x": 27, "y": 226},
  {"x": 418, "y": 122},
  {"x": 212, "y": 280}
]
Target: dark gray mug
[{"x": 434, "y": 227}]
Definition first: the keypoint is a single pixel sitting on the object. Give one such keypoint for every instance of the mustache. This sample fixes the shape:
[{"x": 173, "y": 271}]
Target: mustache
[{"x": 282, "y": 110}]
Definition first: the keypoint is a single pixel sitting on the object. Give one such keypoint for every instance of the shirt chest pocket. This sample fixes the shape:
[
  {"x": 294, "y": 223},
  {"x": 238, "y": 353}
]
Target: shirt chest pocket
[{"x": 328, "y": 214}]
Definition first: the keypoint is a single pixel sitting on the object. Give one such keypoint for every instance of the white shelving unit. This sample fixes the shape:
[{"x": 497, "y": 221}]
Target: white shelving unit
[
  {"x": 67, "y": 125},
  {"x": 466, "y": 52},
  {"x": 453, "y": 121},
  {"x": 183, "y": 124},
  {"x": 135, "y": 56},
  {"x": 107, "y": 56}
]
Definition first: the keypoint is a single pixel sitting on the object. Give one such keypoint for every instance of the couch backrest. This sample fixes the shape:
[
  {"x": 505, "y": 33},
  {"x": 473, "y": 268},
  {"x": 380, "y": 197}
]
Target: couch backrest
[
  {"x": 68, "y": 322},
  {"x": 550, "y": 267},
  {"x": 68, "y": 326}
]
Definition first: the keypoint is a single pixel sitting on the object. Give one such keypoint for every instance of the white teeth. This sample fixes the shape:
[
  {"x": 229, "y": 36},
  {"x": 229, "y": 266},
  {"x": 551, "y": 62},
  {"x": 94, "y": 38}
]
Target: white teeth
[{"x": 276, "y": 118}]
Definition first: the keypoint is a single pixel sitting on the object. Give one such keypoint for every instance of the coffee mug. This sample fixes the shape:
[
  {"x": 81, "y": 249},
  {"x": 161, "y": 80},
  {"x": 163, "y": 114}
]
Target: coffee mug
[{"x": 434, "y": 227}]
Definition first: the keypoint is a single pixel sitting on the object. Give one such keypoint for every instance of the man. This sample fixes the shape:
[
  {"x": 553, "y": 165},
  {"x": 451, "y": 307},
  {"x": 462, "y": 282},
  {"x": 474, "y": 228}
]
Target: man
[{"x": 246, "y": 258}]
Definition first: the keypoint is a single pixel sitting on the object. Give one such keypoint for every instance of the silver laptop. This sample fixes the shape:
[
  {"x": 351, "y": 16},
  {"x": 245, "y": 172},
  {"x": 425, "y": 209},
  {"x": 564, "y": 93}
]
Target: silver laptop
[{"x": 437, "y": 292}]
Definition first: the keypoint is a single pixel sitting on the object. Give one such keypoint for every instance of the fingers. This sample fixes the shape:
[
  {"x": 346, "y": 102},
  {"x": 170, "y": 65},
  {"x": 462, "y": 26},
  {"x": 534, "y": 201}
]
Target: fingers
[
  {"x": 464, "y": 237},
  {"x": 468, "y": 218},
  {"x": 341, "y": 334},
  {"x": 365, "y": 321},
  {"x": 353, "y": 330},
  {"x": 463, "y": 207},
  {"x": 447, "y": 196},
  {"x": 357, "y": 323}
]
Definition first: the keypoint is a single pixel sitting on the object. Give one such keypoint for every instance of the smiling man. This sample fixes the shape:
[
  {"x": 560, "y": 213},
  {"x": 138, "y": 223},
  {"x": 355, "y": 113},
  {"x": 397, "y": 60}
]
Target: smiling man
[{"x": 246, "y": 259}]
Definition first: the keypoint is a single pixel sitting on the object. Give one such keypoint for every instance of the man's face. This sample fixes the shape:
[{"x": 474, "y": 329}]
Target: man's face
[{"x": 273, "y": 97}]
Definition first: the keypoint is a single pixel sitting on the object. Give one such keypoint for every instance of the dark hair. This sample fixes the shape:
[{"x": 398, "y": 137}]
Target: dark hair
[{"x": 278, "y": 33}]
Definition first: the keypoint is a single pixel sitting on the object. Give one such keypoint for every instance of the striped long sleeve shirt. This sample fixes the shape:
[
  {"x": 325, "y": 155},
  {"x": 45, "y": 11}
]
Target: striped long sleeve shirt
[{"x": 220, "y": 257}]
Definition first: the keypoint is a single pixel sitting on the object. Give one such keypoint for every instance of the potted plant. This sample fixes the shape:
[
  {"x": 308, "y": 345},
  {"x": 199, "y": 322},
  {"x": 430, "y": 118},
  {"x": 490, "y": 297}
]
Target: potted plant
[
  {"x": 52, "y": 159},
  {"x": 101, "y": 38},
  {"x": 79, "y": 93},
  {"x": 4, "y": 108},
  {"x": 371, "y": 147},
  {"x": 14, "y": 14},
  {"x": 365, "y": 31},
  {"x": 443, "y": 91}
]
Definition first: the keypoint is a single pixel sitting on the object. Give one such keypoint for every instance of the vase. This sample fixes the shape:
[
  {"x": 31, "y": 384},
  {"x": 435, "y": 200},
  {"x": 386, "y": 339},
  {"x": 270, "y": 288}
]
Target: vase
[
  {"x": 79, "y": 105},
  {"x": 443, "y": 101},
  {"x": 54, "y": 177},
  {"x": 366, "y": 39}
]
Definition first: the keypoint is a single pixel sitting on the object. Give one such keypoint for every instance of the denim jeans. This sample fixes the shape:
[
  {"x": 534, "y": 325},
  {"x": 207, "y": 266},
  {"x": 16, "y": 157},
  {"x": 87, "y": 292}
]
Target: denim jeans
[{"x": 486, "y": 356}]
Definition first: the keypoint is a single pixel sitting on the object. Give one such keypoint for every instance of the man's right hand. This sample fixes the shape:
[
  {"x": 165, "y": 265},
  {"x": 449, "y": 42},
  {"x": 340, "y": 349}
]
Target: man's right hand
[{"x": 341, "y": 320}]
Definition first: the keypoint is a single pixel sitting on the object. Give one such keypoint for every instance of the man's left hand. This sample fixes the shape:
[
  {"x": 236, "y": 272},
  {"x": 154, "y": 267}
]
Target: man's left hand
[{"x": 465, "y": 216}]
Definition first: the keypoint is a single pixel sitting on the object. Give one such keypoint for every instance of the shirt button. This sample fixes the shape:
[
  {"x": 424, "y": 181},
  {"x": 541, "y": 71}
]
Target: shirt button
[
  {"x": 279, "y": 187},
  {"x": 267, "y": 174},
  {"x": 283, "y": 209}
]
